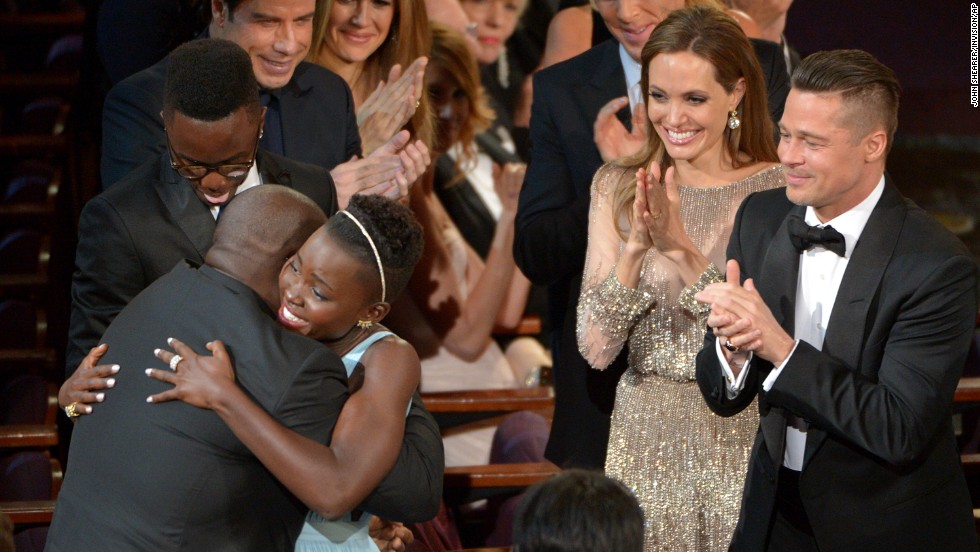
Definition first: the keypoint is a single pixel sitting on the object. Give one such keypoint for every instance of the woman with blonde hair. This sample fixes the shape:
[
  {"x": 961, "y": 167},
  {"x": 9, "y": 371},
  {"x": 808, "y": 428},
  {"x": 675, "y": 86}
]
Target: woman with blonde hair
[
  {"x": 366, "y": 41},
  {"x": 652, "y": 245}
]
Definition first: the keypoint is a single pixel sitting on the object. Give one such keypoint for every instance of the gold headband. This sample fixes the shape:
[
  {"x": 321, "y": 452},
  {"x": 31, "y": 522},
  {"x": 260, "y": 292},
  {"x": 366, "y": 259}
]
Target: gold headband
[{"x": 377, "y": 257}]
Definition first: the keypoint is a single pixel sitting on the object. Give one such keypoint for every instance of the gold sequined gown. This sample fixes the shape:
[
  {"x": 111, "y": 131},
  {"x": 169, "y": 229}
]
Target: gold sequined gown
[{"x": 685, "y": 464}]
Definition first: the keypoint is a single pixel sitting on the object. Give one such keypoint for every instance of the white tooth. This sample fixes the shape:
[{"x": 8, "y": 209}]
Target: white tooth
[
  {"x": 681, "y": 135},
  {"x": 290, "y": 316}
]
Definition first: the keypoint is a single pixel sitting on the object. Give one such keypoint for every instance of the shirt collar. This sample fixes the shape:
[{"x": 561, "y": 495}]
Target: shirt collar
[
  {"x": 632, "y": 72},
  {"x": 851, "y": 223},
  {"x": 252, "y": 179}
]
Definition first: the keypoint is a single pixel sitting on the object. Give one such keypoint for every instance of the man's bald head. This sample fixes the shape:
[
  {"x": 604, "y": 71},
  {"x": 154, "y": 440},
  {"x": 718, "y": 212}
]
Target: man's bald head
[{"x": 258, "y": 230}]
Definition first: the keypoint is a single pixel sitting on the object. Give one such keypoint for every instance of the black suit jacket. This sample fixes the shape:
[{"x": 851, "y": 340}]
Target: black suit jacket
[
  {"x": 881, "y": 470},
  {"x": 552, "y": 228},
  {"x": 136, "y": 231},
  {"x": 172, "y": 476},
  {"x": 317, "y": 108}
]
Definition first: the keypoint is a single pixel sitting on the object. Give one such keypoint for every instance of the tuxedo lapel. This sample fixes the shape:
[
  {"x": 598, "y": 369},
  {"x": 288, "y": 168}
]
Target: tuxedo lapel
[
  {"x": 607, "y": 83},
  {"x": 844, "y": 339},
  {"x": 777, "y": 286},
  {"x": 271, "y": 171},
  {"x": 186, "y": 209}
]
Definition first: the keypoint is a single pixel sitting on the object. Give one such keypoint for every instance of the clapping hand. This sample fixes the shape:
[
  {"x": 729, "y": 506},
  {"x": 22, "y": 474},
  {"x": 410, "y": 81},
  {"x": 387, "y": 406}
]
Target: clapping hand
[
  {"x": 391, "y": 105},
  {"x": 740, "y": 316},
  {"x": 507, "y": 182},
  {"x": 610, "y": 135}
]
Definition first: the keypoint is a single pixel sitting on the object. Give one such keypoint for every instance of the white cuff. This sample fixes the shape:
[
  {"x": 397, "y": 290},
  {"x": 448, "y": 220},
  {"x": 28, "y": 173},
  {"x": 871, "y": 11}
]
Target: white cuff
[
  {"x": 771, "y": 378},
  {"x": 733, "y": 385}
]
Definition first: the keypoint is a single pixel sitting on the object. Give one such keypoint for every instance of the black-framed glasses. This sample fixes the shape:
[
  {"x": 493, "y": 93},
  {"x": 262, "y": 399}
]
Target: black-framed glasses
[{"x": 234, "y": 171}]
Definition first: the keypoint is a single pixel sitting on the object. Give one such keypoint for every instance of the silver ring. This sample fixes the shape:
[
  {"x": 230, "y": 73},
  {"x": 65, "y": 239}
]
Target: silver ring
[{"x": 174, "y": 361}]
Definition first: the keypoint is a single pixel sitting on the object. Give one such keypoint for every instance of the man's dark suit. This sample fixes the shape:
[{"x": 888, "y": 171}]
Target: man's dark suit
[
  {"x": 880, "y": 469},
  {"x": 172, "y": 476},
  {"x": 137, "y": 230},
  {"x": 317, "y": 109},
  {"x": 552, "y": 227}
]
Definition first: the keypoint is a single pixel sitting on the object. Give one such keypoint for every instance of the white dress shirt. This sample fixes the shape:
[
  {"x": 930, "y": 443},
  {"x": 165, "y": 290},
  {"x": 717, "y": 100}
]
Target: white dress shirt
[
  {"x": 632, "y": 71},
  {"x": 821, "y": 272}
]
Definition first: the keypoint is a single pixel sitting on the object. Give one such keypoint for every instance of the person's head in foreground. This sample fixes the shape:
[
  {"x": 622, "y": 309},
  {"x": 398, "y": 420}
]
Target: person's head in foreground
[{"x": 578, "y": 511}]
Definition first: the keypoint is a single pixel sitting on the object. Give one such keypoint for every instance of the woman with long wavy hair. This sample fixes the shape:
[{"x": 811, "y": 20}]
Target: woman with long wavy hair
[
  {"x": 366, "y": 42},
  {"x": 658, "y": 230}
]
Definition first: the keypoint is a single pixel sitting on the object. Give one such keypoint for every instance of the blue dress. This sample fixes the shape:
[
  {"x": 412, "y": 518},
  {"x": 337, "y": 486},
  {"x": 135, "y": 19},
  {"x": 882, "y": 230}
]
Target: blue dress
[{"x": 344, "y": 534}]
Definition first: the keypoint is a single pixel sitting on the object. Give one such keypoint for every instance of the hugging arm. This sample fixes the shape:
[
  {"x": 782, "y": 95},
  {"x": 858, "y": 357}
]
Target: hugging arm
[{"x": 365, "y": 444}]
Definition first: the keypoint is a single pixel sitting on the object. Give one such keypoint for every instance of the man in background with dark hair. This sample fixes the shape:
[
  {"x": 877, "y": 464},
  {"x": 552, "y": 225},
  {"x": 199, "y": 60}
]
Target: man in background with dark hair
[
  {"x": 848, "y": 311},
  {"x": 310, "y": 115}
]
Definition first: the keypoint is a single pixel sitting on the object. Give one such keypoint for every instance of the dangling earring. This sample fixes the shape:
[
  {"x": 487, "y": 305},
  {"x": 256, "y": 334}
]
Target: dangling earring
[
  {"x": 364, "y": 324},
  {"x": 733, "y": 120}
]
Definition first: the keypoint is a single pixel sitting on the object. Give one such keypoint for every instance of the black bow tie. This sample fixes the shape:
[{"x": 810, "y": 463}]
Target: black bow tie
[{"x": 805, "y": 236}]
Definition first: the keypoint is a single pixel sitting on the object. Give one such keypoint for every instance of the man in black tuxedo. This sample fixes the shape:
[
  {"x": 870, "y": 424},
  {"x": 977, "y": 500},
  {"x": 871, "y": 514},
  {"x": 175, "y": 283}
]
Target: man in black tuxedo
[
  {"x": 173, "y": 476},
  {"x": 858, "y": 310},
  {"x": 310, "y": 114},
  {"x": 165, "y": 210},
  {"x": 552, "y": 217}
]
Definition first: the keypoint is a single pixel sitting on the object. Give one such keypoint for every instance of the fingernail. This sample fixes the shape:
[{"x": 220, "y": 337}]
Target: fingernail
[
  {"x": 100, "y": 397},
  {"x": 110, "y": 382},
  {"x": 87, "y": 409},
  {"x": 149, "y": 399},
  {"x": 156, "y": 352},
  {"x": 170, "y": 341},
  {"x": 148, "y": 371},
  {"x": 114, "y": 369}
]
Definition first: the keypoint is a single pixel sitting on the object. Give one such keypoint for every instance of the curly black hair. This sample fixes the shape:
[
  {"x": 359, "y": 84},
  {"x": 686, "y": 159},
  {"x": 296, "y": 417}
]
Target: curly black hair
[
  {"x": 209, "y": 79},
  {"x": 395, "y": 232}
]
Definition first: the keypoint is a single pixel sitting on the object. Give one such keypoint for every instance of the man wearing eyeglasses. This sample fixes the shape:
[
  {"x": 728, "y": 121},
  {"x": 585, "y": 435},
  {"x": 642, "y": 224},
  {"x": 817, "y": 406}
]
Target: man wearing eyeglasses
[{"x": 165, "y": 211}]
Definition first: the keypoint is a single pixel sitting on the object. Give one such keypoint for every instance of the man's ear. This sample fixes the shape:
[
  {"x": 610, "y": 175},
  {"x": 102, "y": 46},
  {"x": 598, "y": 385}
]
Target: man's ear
[
  {"x": 219, "y": 12},
  {"x": 875, "y": 145}
]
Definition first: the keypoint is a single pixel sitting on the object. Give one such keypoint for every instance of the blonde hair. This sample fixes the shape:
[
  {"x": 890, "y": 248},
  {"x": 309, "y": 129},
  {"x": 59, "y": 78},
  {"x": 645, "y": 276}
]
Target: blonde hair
[
  {"x": 714, "y": 36},
  {"x": 408, "y": 38}
]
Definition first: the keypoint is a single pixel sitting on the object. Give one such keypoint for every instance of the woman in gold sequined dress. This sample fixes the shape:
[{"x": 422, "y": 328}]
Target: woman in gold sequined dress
[{"x": 651, "y": 247}]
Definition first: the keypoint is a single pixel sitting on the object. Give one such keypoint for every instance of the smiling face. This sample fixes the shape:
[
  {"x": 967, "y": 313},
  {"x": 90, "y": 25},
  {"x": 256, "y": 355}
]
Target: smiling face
[
  {"x": 450, "y": 103},
  {"x": 227, "y": 141},
  {"x": 356, "y": 29},
  {"x": 688, "y": 107},
  {"x": 828, "y": 166},
  {"x": 495, "y": 23},
  {"x": 632, "y": 21},
  {"x": 275, "y": 33},
  {"x": 322, "y": 289}
]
